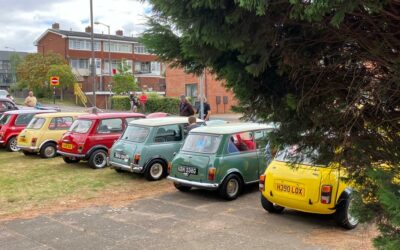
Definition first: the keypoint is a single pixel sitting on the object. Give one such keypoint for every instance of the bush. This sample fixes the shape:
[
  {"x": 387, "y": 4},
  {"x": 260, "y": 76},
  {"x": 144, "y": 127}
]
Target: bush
[{"x": 154, "y": 104}]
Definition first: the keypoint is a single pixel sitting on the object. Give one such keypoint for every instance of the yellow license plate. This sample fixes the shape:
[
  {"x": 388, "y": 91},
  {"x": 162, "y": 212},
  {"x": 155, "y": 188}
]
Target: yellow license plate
[
  {"x": 66, "y": 145},
  {"x": 291, "y": 189}
]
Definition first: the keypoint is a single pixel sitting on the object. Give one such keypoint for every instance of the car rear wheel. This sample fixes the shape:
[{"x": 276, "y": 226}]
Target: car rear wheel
[
  {"x": 231, "y": 187},
  {"x": 71, "y": 159},
  {"x": 344, "y": 213},
  {"x": 48, "y": 150},
  {"x": 181, "y": 187},
  {"x": 12, "y": 144},
  {"x": 271, "y": 207},
  {"x": 156, "y": 170},
  {"x": 98, "y": 159}
]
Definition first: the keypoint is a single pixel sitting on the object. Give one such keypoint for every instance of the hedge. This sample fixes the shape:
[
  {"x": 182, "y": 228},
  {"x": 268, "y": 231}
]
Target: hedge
[{"x": 154, "y": 104}]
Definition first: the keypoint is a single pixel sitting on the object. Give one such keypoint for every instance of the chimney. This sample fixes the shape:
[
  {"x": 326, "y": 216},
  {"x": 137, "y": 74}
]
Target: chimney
[
  {"x": 88, "y": 29},
  {"x": 55, "y": 26},
  {"x": 119, "y": 33}
]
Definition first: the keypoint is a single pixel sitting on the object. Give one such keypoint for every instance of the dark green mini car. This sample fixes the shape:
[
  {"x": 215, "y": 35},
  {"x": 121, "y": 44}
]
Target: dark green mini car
[{"x": 222, "y": 157}]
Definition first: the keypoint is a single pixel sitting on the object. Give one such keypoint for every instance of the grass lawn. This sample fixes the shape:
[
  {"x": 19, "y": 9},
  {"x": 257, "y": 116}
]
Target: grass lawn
[{"x": 30, "y": 183}]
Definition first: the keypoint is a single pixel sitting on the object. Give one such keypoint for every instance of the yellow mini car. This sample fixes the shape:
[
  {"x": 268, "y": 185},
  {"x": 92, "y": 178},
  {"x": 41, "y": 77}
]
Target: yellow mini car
[
  {"x": 43, "y": 132},
  {"x": 306, "y": 187}
]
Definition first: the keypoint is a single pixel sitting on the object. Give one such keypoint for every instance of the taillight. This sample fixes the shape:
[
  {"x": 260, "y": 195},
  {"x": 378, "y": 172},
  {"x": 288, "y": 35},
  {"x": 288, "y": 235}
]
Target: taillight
[
  {"x": 326, "y": 193},
  {"x": 136, "y": 159},
  {"x": 169, "y": 167},
  {"x": 33, "y": 142},
  {"x": 211, "y": 174},
  {"x": 261, "y": 184}
]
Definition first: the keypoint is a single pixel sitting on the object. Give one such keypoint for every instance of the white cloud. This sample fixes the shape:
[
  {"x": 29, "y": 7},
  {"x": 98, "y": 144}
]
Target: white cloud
[{"x": 23, "y": 21}]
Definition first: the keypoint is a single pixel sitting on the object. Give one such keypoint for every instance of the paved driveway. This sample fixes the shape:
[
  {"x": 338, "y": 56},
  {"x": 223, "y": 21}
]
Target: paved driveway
[{"x": 194, "y": 220}]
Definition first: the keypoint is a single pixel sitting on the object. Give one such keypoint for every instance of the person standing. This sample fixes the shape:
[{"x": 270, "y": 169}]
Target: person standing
[
  {"x": 143, "y": 101},
  {"x": 206, "y": 110},
  {"x": 134, "y": 101},
  {"x": 185, "y": 108},
  {"x": 30, "y": 100}
]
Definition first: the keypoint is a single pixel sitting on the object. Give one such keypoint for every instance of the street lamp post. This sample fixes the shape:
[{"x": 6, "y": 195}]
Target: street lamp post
[
  {"x": 109, "y": 52},
  {"x": 93, "y": 66}
]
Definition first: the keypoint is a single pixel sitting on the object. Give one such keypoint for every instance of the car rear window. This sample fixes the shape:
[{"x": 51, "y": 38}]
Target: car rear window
[
  {"x": 199, "y": 143},
  {"x": 292, "y": 154},
  {"x": 135, "y": 134},
  {"x": 36, "y": 123},
  {"x": 4, "y": 119},
  {"x": 81, "y": 126}
]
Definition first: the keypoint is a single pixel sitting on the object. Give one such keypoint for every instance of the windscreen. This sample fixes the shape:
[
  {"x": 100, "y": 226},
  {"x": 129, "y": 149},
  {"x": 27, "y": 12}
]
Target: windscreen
[
  {"x": 201, "y": 143},
  {"x": 4, "y": 119},
  {"x": 80, "y": 126},
  {"x": 36, "y": 123},
  {"x": 135, "y": 134}
]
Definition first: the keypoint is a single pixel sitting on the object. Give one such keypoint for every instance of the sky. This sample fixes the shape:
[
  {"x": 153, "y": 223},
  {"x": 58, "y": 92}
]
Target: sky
[{"x": 23, "y": 21}]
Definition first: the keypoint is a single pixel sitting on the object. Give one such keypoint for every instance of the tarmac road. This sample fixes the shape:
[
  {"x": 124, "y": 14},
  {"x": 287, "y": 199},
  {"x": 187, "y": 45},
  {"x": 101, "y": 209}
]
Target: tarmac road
[{"x": 194, "y": 220}]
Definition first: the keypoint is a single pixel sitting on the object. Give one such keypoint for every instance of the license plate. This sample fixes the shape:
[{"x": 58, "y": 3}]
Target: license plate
[
  {"x": 291, "y": 189},
  {"x": 119, "y": 155},
  {"x": 188, "y": 170},
  {"x": 66, "y": 145}
]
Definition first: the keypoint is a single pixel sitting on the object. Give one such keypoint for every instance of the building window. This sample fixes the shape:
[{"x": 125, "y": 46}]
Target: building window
[
  {"x": 118, "y": 47},
  {"x": 156, "y": 68},
  {"x": 79, "y": 63},
  {"x": 140, "y": 49},
  {"x": 191, "y": 90},
  {"x": 80, "y": 44},
  {"x": 115, "y": 64},
  {"x": 142, "y": 67}
]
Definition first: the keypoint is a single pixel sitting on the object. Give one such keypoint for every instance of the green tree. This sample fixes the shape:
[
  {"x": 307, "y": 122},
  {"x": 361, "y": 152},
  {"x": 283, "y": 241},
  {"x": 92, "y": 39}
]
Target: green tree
[
  {"x": 66, "y": 77},
  {"x": 124, "y": 81},
  {"x": 32, "y": 71},
  {"x": 326, "y": 70}
]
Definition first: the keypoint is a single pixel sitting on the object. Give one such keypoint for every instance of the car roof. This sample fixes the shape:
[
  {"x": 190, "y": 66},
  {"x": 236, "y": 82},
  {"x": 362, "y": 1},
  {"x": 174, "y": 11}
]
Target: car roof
[
  {"x": 110, "y": 115},
  {"x": 28, "y": 111},
  {"x": 153, "y": 122},
  {"x": 58, "y": 114},
  {"x": 232, "y": 128},
  {"x": 5, "y": 99}
]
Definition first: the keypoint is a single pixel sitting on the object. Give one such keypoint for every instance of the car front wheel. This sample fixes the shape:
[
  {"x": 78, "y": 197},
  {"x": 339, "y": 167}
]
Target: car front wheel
[
  {"x": 98, "y": 159},
  {"x": 271, "y": 207},
  {"x": 12, "y": 144}
]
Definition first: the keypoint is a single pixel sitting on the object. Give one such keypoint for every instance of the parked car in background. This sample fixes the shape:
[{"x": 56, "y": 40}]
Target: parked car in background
[
  {"x": 221, "y": 157},
  {"x": 6, "y": 105},
  {"x": 148, "y": 145},
  {"x": 43, "y": 132},
  {"x": 91, "y": 136},
  {"x": 157, "y": 115},
  {"x": 12, "y": 123},
  {"x": 215, "y": 122},
  {"x": 307, "y": 186}
]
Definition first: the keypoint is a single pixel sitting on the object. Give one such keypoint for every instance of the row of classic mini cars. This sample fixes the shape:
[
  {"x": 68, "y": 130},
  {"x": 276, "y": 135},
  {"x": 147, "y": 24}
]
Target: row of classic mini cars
[{"x": 220, "y": 157}]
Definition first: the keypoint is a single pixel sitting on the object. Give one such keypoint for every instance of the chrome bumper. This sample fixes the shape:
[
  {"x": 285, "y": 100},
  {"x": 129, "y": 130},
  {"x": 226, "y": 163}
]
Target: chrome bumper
[
  {"x": 29, "y": 149},
  {"x": 133, "y": 169},
  {"x": 80, "y": 156},
  {"x": 194, "y": 183},
  {"x": 2, "y": 142}
]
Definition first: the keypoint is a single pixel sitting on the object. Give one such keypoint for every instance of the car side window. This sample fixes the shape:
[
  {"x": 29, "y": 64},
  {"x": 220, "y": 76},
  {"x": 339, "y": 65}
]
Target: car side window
[
  {"x": 23, "y": 119},
  {"x": 60, "y": 123},
  {"x": 241, "y": 142},
  {"x": 108, "y": 126},
  {"x": 168, "y": 133}
]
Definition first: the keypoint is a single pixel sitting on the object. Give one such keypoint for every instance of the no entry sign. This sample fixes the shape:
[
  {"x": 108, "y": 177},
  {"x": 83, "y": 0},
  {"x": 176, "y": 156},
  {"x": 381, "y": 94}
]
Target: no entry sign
[{"x": 54, "y": 80}]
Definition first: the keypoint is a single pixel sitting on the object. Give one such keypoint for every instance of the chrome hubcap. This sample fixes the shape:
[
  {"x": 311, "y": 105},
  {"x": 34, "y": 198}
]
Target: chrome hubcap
[
  {"x": 49, "y": 151},
  {"x": 13, "y": 145},
  {"x": 353, "y": 220},
  {"x": 156, "y": 170},
  {"x": 100, "y": 160},
  {"x": 232, "y": 187}
]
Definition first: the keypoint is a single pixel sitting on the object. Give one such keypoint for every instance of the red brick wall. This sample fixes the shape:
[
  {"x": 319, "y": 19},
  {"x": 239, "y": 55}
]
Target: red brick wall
[
  {"x": 52, "y": 43},
  {"x": 176, "y": 80}
]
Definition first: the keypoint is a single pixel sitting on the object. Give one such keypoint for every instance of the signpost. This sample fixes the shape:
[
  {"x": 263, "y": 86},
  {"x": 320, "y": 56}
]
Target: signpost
[{"x": 54, "y": 81}]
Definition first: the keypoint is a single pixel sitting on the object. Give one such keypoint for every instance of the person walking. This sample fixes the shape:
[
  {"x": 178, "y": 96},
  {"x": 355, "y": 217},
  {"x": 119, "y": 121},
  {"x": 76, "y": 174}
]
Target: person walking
[
  {"x": 185, "y": 108},
  {"x": 206, "y": 110},
  {"x": 30, "y": 100},
  {"x": 143, "y": 101},
  {"x": 134, "y": 101}
]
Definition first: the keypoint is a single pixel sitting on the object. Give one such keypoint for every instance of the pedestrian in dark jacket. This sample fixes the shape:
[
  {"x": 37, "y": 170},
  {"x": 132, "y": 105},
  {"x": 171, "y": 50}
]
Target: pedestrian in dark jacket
[{"x": 185, "y": 108}]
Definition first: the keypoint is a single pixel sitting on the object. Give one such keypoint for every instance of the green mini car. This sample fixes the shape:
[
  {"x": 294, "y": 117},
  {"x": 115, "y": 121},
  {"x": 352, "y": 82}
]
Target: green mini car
[
  {"x": 148, "y": 145},
  {"x": 221, "y": 157}
]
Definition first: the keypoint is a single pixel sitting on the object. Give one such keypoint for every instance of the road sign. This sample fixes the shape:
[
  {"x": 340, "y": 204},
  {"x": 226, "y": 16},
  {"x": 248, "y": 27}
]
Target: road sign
[{"x": 54, "y": 80}]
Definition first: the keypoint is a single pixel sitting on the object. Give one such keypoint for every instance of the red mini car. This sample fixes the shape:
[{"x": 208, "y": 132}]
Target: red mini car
[
  {"x": 12, "y": 123},
  {"x": 90, "y": 137}
]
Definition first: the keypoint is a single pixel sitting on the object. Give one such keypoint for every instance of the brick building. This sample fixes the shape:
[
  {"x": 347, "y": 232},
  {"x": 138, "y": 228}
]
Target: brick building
[
  {"x": 178, "y": 82},
  {"x": 75, "y": 47}
]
